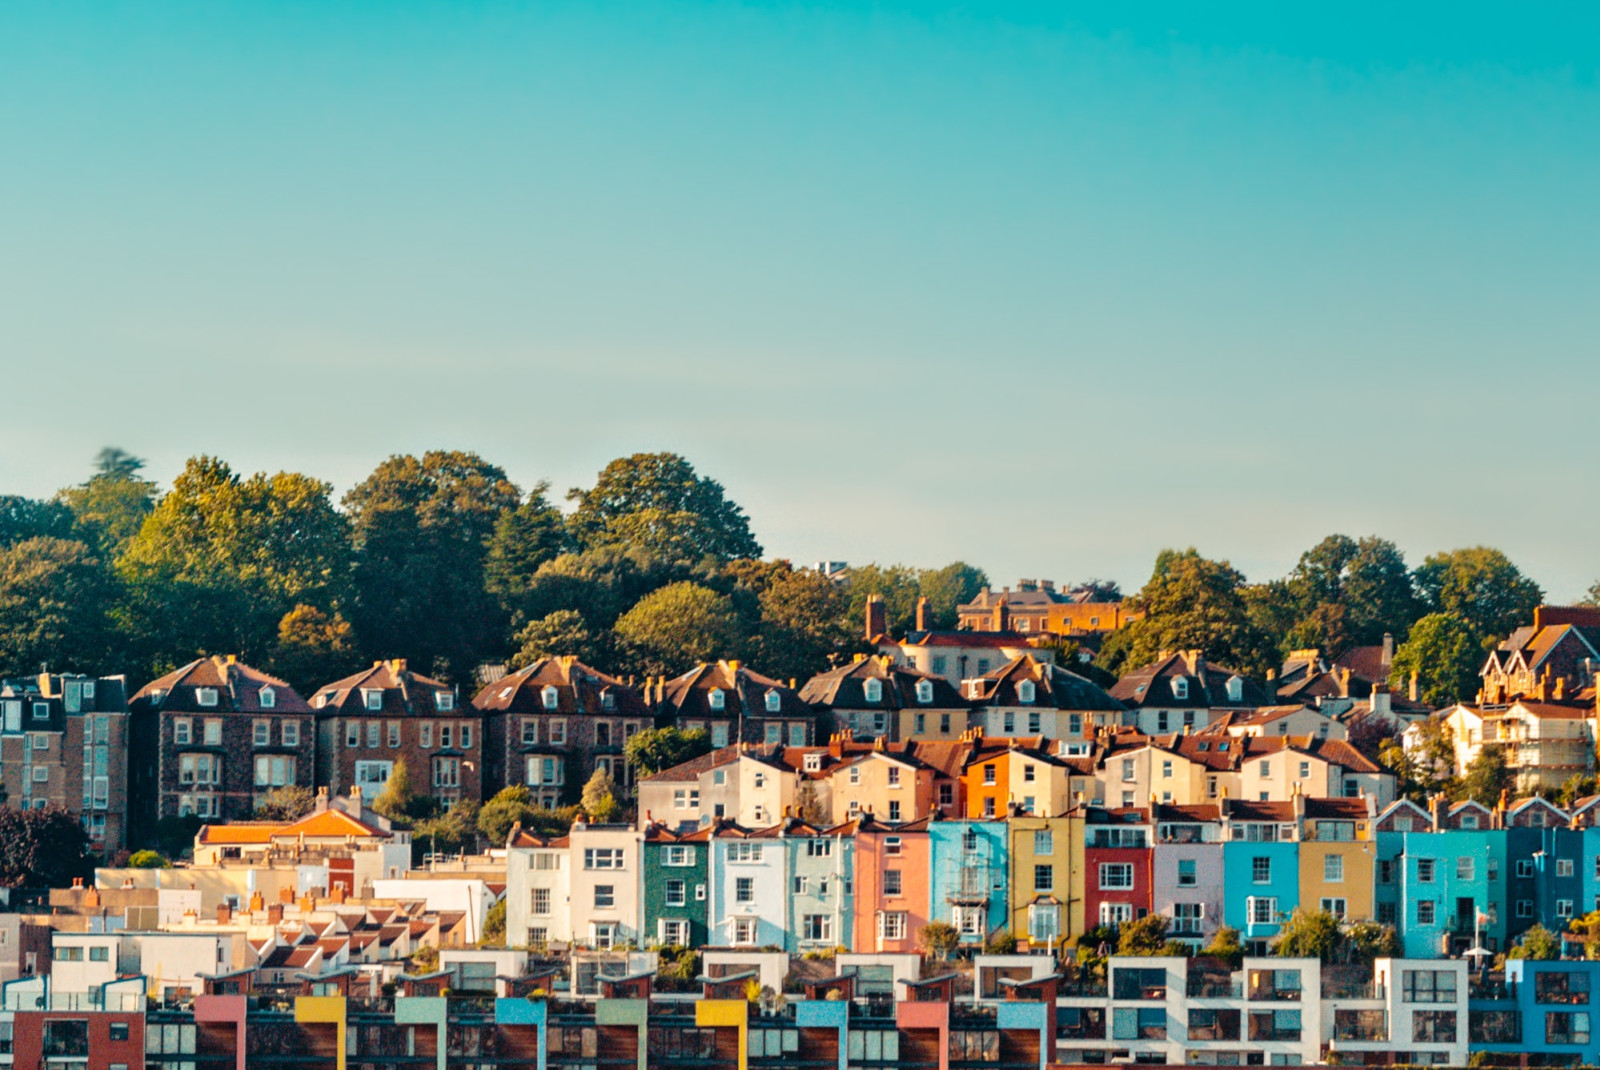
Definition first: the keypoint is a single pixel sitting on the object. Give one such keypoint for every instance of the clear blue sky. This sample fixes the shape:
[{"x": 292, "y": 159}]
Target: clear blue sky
[{"x": 1031, "y": 285}]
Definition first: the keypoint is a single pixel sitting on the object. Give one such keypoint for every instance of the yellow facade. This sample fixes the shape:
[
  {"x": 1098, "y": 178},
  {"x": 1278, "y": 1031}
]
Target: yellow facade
[
  {"x": 1331, "y": 871},
  {"x": 1066, "y": 861}
]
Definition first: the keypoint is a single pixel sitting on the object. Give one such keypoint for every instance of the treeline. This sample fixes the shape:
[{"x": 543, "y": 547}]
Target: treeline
[
  {"x": 1444, "y": 614},
  {"x": 439, "y": 559}
]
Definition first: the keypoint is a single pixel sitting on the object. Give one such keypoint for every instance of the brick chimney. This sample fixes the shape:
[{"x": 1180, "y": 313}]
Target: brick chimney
[
  {"x": 1388, "y": 652},
  {"x": 924, "y": 615},
  {"x": 877, "y": 617},
  {"x": 1002, "y": 616},
  {"x": 275, "y": 914},
  {"x": 224, "y": 913}
]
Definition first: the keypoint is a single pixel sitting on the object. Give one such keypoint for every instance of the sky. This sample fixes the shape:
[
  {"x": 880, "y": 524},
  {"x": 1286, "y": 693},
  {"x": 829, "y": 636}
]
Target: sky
[{"x": 1043, "y": 287}]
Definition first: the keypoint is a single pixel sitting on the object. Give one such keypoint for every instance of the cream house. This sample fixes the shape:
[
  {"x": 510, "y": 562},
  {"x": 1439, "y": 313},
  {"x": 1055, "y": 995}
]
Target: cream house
[{"x": 607, "y": 885}]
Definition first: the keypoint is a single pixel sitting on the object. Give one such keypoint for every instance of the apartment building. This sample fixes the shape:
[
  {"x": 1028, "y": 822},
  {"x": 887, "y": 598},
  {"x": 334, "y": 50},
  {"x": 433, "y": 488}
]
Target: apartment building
[{"x": 64, "y": 743}]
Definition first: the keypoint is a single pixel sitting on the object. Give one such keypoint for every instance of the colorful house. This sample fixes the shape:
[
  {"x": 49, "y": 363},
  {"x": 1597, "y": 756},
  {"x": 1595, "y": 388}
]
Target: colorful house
[
  {"x": 1261, "y": 868},
  {"x": 892, "y": 884},
  {"x": 1004, "y": 776},
  {"x": 1047, "y": 878},
  {"x": 675, "y": 866},
  {"x": 1187, "y": 863},
  {"x": 1338, "y": 856},
  {"x": 970, "y": 877},
  {"x": 820, "y": 863},
  {"x": 1117, "y": 865},
  {"x": 748, "y": 895}
]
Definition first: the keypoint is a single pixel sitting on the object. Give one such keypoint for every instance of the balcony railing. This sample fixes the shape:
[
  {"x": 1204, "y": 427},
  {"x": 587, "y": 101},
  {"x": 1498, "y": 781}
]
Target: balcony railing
[
  {"x": 1354, "y": 990},
  {"x": 1215, "y": 989}
]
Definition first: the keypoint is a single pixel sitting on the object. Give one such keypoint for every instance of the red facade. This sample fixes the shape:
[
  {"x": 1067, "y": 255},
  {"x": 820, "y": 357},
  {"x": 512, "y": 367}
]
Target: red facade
[
  {"x": 104, "y": 1038},
  {"x": 1117, "y": 884}
]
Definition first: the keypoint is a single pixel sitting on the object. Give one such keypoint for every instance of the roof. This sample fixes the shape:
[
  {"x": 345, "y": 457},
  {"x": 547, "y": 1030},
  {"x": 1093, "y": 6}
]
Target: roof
[
  {"x": 1253, "y": 810},
  {"x": 694, "y": 768},
  {"x": 1053, "y": 687},
  {"x": 579, "y": 689},
  {"x": 1154, "y": 685},
  {"x": 331, "y": 823},
  {"x": 238, "y": 687},
  {"x": 845, "y": 687},
  {"x": 744, "y": 693},
  {"x": 404, "y": 693}
]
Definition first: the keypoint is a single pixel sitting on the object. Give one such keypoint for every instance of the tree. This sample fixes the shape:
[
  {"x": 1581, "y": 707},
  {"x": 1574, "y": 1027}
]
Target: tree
[
  {"x": 1445, "y": 656},
  {"x": 524, "y": 540},
  {"x": 1578, "y": 786},
  {"x": 494, "y": 925},
  {"x": 1096, "y": 590},
  {"x": 655, "y": 749},
  {"x": 1368, "y": 733},
  {"x": 1537, "y": 943},
  {"x": 1482, "y": 587},
  {"x": 313, "y": 647},
  {"x": 1309, "y": 934},
  {"x": 561, "y": 632},
  {"x": 110, "y": 507},
  {"x": 897, "y": 585},
  {"x": 1487, "y": 776},
  {"x": 24, "y": 518},
  {"x": 1191, "y": 603},
  {"x": 1425, "y": 768},
  {"x": 510, "y": 807},
  {"x": 42, "y": 848},
  {"x": 1346, "y": 592},
  {"x": 454, "y": 830},
  {"x": 422, "y": 530},
  {"x": 396, "y": 798},
  {"x": 1225, "y": 946},
  {"x": 425, "y": 959},
  {"x": 287, "y": 803},
  {"x": 657, "y": 502},
  {"x": 221, "y": 559},
  {"x": 55, "y": 600},
  {"x": 802, "y": 622},
  {"x": 1588, "y": 927},
  {"x": 600, "y": 584},
  {"x": 1369, "y": 940},
  {"x": 1148, "y": 936},
  {"x": 681, "y": 622},
  {"x": 148, "y": 860},
  {"x": 939, "y": 938},
  {"x": 599, "y": 798},
  {"x": 949, "y": 587}
]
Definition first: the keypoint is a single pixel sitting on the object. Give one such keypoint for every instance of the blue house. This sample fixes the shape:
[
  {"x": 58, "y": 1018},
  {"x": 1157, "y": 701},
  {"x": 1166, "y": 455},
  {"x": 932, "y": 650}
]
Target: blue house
[
  {"x": 970, "y": 881},
  {"x": 1445, "y": 880},
  {"x": 1546, "y": 1010}
]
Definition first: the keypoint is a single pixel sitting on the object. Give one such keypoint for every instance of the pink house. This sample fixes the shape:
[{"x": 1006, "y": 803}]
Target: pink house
[{"x": 892, "y": 884}]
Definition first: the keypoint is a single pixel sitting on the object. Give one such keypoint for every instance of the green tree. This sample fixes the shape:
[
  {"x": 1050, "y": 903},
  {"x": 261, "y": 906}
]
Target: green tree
[
  {"x": 24, "y": 518},
  {"x": 55, "y": 602},
  {"x": 939, "y": 938},
  {"x": 510, "y": 807},
  {"x": 524, "y": 540},
  {"x": 221, "y": 559},
  {"x": 422, "y": 531},
  {"x": 454, "y": 830},
  {"x": 1537, "y": 943},
  {"x": 287, "y": 803},
  {"x": 561, "y": 632},
  {"x": 897, "y": 585},
  {"x": 313, "y": 647},
  {"x": 111, "y": 506},
  {"x": 1191, "y": 603},
  {"x": 655, "y": 749},
  {"x": 1427, "y": 767},
  {"x": 682, "y": 622},
  {"x": 1481, "y": 586},
  {"x": 600, "y": 797},
  {"x": 1445, "y": 656},
  {"x": 1366, "y": 941},
  {"x": 1309, "y": 934},
  {"x": 1225, "y": 945},
  {"x": 396, "y": 798},
  {"x": 494, "y": 925},
  {"x": 600, "y": 584},
  {"x": 946, "y": 588},
  {"x": 1578, "y": 786},
  {"x": 657, "y": 502},
  {"x": 1348, "y": 592},
  {"x": 425, "y": 959},
  {"x": 148, "y": 860},
  {"x": 1486, "y": 776},
  {"x": 42, "y": 848},
  {"x": 802, "y": 622},
  {"x": 1148, "y": 936}
]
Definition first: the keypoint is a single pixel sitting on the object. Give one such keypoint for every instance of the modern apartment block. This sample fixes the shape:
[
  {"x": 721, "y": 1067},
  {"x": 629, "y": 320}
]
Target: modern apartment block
[{"x": 64, "y": 742}]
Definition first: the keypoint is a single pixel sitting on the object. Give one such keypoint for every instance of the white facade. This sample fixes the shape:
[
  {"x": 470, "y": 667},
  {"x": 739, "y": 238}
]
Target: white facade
[
  {"x": 538, "y": 895},
  {"x": 607, "y": 885},
  {"x": 749, "y": 899},
  {"x": 469, "y": 895}
]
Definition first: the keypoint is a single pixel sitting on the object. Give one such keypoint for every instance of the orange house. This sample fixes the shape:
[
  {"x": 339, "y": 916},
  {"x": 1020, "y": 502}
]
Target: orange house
[
  {"x": 1002, "y": 773},
  {"x": 893, "y": 866}
]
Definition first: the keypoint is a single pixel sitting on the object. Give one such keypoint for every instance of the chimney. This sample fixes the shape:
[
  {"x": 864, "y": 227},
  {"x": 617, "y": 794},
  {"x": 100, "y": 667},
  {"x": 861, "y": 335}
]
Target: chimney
[
  {"x": 275, "y": 914},
  {"x": 256, "y": 902},
  {"x": 1381, "y": 700},
  {"x": 877, "y": 617},
  {"x": 1002, "y": 616},
  {"x": 1414, "y": 690},
  {"x": 1388, "y": 652},
  {"x": 224, "y": 913},
  {"x": 924, "y": 617},
  {"x": 1344, "y": 683}
]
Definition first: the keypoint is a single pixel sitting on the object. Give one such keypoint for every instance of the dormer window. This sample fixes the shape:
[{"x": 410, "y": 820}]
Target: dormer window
[
  {"x": 444, "y": 701},
  {"x": 372, "y": 698},
  {"x": 774, "y": 702},
  {"x": 1026, "y": 692},
  {"x": 1235, "y": 689},
  {"x": 608, "y": 700},
  {"x": 1180, "y": 688},
  {"x": 813, "y": 763},
  {"x": 874, "y": 690},
  {"x": 717, "y": 699},
  {"x": 924, "y": 691},
  {"x": 268, "y": 698},
  {"x": 205, "y": 696},
  {"x": 551, "y": 697}
]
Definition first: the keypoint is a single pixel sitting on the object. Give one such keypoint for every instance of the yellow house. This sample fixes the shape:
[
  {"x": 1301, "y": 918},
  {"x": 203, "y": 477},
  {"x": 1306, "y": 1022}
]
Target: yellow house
[
  {"x": 1051, "y": 847},
  {"x": 891, "y": 786},
  {"x": 1338, "y": 856}
]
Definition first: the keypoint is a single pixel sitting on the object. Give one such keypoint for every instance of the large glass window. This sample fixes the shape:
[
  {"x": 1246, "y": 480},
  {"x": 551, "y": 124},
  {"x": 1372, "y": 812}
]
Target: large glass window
[
  {"x": 1561, "y": 986},
  {"x": 1566, "y": 1027},
  {"x": 1428, "y": 986}
]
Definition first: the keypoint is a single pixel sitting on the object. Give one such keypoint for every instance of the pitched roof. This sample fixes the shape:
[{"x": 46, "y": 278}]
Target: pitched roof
[
  {"x": 403, "y": 692},
  {"x": 744, "y": 692},
  {"x": 1054, "y": 687},
  {"x": 1154, "y": 685},
  {"x": 694, "y": 768},
  {"x": 579, "y": 689},
  {"x": 238, "y": 687},
  {"x": 845, "y": 687}
]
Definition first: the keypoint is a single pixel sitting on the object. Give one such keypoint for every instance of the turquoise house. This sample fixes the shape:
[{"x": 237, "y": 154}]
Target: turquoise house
[
  {"x": 1444, "y": 880},
  {"x": 1262, "y": 888},
  {"x": 970, "y": 881}
]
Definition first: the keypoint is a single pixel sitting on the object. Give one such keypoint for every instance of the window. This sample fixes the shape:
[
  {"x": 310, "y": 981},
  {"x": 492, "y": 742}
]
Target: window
[
  {"x": 1044, "y": 878},
  {"x": 891, "y": 845},
  {"x": 677, "y": 855},
  {"x": 100, "y": 954},
  {"x": 1563, "y": 908},
  {"x": 891, "y": 882},
  {"x": 1118, "y": 875},
  {"x": 603, "y": 934},
  {"x": 558, "y": 733},
  {"x": 181, "y": 730},
  {"x": 1130, "y": 982},
  {"x": 1187, "y": 877},
  {"x": 894, "y": 776},
  {"x": 1261, "y": 870},
  {"x": 1264, "y": 769},
  {"x": 1262, "y": 909},
  {"x": 988, "y": 774},
  {"x": 1180, "y": 688},
  {"x": 1128, "y": 772},
  {"x": 819, "y": 848},
  {"x": 1563, "y": 867},
  {"x": 924, "y": 691},
  {"x": 605, "y": 896},
  {"x": 816, "y": 928},
  {"x": 1469, "y": 821},
  {"x": 541, "y": 901},
  {"x": 275, "y": 771},
  {"x": 444, "y": 735},
  {"x": 1115, "y": 913},
  {"x": 717, "y": 699},
  {"x": 444, "y": 701},
  {"x": 894, "y": 810},
  {"x": 1044, "y": 842},
  {"x": 1428, "y": 986},
  {"x": 892, "y": 925},
  {"x": 1426, "y": 911},
  {"x": 260, "y": 733},
  {"x": 205, "y": 696},
  {"x": 676, "y": 893},
  {"x": 1186, "y": 918},
  {"x": 774, "y": 700},
  {"x": 372, "y": 698},
  {"x": 1333, "y": 869},
  {"x": 1561, "y": 986},
  {"x": 447, "y": 772},
  {"x": 872, "y": 690},
  {"x": 373, "y": 774},
  {"x": 1027, "y": 692},
  {"x": 530, "y": 733},
  {"x": 744, "y": 851},
  {"x": 602, "y": 858},
  {"x": 1425, "y": 870},
  {"x": 1524, "y": 867},
  {"x": 352, "y": 733},
  {"x": 1433, "y": 1027},
  {"x": 464, "y": 736},
  {"x": 1335, "y": 906},
  {"x": 1566, "y": 1027},
  {"x": 1465, "y": 867},
  {"x": 1524, "y": 908}
]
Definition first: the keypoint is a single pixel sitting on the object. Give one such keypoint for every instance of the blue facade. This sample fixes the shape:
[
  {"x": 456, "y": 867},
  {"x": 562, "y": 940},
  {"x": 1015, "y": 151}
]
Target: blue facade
[
  {"x": 970, "y": 885},
  {"x": 1547, "y": 879},
  {"x": 1443, "y": 879},
  {"x": 1546, "y": 1008},
  {"x": 1257, "y": 871}
]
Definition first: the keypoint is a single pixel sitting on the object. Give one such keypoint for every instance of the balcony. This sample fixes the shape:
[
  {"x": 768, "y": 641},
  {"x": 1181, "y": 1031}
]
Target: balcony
[
  {"x": 1354, "y": 990},
  {"x": 1206, "y": 988}
]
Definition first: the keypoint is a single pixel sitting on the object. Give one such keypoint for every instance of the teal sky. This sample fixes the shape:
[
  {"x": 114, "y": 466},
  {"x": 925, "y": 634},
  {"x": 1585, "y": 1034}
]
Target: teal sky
[{"x": 1037, "y": 286}]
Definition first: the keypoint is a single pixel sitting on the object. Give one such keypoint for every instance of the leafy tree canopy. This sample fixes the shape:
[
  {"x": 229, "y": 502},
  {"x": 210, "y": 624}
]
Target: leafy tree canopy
[
  {"x": 1537, "y": 943},
  {"x": 287, "y": 803},
  {"x": 42, "y": 848},
  {"x": 1445, "y": 656},
  {"x": 55, "y": 598},
  {"x": 111, "y": 506},
  {"x": 510, "y": 807},
  {"x": 682, "y": 622},
  {"x": 1309, "y": 934},
  {"x": 1481, "y": 586},
  {"x": 655, "y": 749},
  {"x": 1191, "y": 603},
  {"x": 1486, "y": 776},
  {"x": 558, "y": 633},
  {"x": 656, "y": 501}
]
